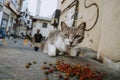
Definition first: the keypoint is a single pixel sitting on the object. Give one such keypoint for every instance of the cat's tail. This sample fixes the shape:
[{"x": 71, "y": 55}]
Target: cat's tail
[
  {"x": 40, "y": 45},
  {"x": 43, "y": 47}
]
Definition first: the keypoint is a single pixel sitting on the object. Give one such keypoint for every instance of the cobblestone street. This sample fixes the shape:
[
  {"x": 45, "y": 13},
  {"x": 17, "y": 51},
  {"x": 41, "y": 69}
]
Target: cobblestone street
[{"x": 14, "y": 57}]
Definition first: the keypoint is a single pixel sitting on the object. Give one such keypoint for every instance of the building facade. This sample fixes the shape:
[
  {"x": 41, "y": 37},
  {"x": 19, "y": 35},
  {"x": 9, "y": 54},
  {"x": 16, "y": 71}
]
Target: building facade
[
  {"x": 42, "y": 23},
  {"x": 102, "y": 29},
  {"x": 25, "y": 23},
  {"x": 14, "y": 16},
  {"x": 9, "y": 13}
]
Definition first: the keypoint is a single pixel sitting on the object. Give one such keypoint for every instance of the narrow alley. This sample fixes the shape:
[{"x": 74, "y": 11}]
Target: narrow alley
[{"x": 59, "y": 39}]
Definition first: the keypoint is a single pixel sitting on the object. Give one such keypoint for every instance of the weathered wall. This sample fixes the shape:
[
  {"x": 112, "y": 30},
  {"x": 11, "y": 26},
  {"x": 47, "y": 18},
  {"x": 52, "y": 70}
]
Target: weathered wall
[
  {"x": 104, "y": 37},
  {"x": 110, "y": 30},
  {"x": 84, "y": 14},
  {"x": 89, "y": 15}
]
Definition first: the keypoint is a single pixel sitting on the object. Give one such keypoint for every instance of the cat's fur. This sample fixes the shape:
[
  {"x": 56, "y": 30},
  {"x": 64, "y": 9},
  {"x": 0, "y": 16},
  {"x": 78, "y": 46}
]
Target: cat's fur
[{"x": 64, "y": 40}]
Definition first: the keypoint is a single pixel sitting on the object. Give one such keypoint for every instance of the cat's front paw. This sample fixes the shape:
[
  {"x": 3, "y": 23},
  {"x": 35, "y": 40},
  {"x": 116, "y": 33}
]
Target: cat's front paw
[
  {"x": 52, "y": 54},
  {"x": 61, "y": 53}
]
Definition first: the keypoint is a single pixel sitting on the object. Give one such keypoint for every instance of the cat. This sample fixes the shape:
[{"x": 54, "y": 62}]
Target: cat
[{"x": 64, "y": 40}]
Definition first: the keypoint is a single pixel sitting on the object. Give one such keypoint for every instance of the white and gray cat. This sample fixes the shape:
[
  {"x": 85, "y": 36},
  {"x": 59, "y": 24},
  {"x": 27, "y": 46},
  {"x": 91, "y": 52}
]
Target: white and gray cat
[{"x": 64, "y": 40}]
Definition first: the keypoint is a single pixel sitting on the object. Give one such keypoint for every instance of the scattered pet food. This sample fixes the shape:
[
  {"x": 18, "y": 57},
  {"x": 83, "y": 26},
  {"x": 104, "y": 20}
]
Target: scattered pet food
[
  {"x": 68, "y": 71},
  {"x": 34, "y": 62},
  {"x": 27, "y": 66}
]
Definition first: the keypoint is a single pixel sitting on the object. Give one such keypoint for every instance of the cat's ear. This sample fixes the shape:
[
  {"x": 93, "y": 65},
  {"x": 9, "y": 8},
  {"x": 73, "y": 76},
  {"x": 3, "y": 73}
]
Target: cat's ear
[
  {"x": 82, "y": 26},
  {"x": 63, "y": 26}
]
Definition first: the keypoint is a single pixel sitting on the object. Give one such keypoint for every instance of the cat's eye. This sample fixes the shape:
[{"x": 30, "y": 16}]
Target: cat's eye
[
  {"x": 66, "y": 35},
  {"x": 77, "y": 36}
]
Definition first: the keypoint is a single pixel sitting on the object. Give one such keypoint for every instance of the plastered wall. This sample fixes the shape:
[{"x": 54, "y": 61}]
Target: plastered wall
[
  {"x": 85, "y": 15},
  {"x": 105, "y": 36},
  {"x": 89, "y": 16},
  {"x": 44, "y": 31},
  {"x": 109, "y": 44}
]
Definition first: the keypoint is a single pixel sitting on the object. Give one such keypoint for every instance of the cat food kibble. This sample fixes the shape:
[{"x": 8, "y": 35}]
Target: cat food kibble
[
  {"x": 34, "y": 62},
  {"x": 67, "y": 71},
  {"x": 29, "y": 63},
  {"x": 45, "y": 62},
  {"x": 27, "y": 66},
  {"x": 50, "y": 64},
  {"x": 46, "y": 79},
  {"x": 46, "y": 72}
]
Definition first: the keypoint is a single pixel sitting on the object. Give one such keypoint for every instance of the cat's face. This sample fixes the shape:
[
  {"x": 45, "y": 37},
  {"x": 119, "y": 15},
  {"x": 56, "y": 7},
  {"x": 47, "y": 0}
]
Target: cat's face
[{"x": 71, "y": 35}]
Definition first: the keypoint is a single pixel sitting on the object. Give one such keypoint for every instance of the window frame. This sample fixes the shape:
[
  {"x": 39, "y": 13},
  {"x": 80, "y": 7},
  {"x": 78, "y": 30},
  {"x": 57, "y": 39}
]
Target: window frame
[{"x": 44, "y": 25}]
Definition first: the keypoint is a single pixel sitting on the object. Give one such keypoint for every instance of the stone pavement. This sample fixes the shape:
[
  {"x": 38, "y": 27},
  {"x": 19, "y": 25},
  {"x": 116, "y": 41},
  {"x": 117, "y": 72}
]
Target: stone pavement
[
  {"x": 14, "y": 57},
  {"x": 15, "y": 43}
]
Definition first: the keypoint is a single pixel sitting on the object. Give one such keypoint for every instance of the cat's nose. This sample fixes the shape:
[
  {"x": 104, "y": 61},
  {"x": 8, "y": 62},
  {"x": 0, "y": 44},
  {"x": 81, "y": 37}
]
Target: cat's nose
[{"x": 71, "y": 42}]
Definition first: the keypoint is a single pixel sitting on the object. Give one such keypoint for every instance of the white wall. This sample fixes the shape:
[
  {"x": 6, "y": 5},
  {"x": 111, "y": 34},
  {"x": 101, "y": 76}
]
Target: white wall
[
  {"x": 109, "y": 44},
  {"x": 44, "y": 31}
]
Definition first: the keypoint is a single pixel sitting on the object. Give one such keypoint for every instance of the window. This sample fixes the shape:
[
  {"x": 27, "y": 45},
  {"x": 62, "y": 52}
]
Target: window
[
  {"x": 4, "y": 20},
  {"x": 4, "y": 23},
  {"x": 5, "y": 16},
  {"x": 44, "y": 25}
]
